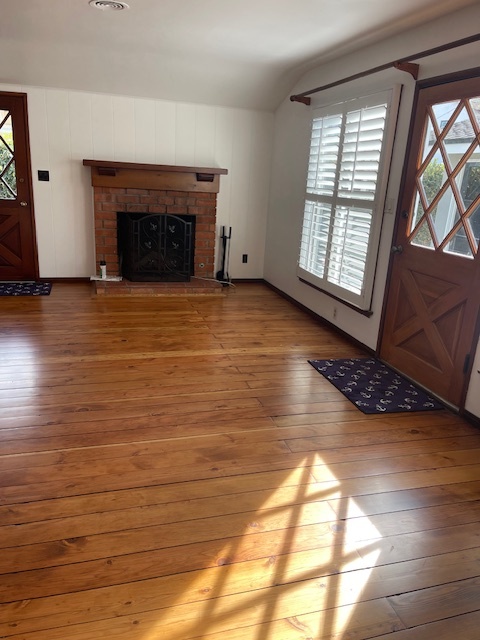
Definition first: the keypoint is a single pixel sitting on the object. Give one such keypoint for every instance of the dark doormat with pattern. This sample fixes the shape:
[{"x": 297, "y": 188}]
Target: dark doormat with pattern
[
  {"x": 373, "y": 387},
  {"x": 25, "y": 288}
]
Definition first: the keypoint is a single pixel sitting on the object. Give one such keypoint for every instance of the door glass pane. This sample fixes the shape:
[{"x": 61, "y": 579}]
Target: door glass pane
[
  {"x": 444, "y": 215},
  {"x": 418, "y": 212},
  {"x": 459, "y": 244},
  {"x": 423, "y": 237},
  {"x": 475, "y": 104},
  {"x": 443, "y": 112},
  {"x": 473, "y": 221},
  {"x": 468, "y": 180},
  {"x": 433, "y": 177},
  {"x": 459, "y": 137},
  {"x": 429, "y": 139},
  {"x": 8, "y": 180}
]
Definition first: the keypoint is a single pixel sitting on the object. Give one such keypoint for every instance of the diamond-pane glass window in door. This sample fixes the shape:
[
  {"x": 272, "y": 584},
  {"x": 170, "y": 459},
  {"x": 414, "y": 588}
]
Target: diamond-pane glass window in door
[
  {"x": 8, "y": 179},
  {"x": 447, "y": 193}
]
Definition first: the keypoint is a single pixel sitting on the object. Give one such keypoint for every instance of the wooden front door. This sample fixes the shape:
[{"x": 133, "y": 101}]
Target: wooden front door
[
  {"x": 434, "y": 293},
  {"x": 18, "y": 255}
]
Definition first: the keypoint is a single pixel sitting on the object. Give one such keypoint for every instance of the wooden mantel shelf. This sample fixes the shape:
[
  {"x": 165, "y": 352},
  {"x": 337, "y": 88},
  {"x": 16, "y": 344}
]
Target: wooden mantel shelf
[
  {"x": 135, "y": 175},
  {"x": 152, "y": 167}
]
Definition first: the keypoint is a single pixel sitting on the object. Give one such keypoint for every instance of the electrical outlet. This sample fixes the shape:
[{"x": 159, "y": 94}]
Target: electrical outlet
[{"x": 245, "y": 258}]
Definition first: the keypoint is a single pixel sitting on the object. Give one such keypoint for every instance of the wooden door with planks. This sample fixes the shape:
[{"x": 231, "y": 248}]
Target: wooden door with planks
[
  {"x": 433, "y": 300},
  {"x": 18, "y": 254}
]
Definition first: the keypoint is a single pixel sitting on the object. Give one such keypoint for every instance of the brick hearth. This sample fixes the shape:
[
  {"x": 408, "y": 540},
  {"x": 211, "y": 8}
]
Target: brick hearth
[{"x": 194, "y": 192}]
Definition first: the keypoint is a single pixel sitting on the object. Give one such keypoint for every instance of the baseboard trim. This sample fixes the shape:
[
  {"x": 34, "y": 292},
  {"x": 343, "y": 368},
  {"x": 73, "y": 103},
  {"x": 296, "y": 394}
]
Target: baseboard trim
[
  {"x": 471, "y": 417},
  {"x": 321, "y": 319},
  {"x": 64, "y": 280}
]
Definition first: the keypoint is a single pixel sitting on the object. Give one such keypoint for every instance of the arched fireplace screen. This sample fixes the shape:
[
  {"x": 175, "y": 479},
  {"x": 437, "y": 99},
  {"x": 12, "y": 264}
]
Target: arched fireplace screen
[{"x": 156, "y": 248}]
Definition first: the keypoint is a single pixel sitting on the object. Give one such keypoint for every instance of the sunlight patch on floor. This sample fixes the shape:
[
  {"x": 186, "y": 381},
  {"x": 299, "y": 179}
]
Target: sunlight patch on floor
[{"x": 296, "y": 560}]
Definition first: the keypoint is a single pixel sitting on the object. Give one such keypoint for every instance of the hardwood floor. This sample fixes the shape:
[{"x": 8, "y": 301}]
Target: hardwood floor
[{"x": 173, "y": 468}]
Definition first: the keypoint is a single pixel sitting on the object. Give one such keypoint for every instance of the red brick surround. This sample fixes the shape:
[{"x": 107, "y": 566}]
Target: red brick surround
[{"x": 110, "y": 200}]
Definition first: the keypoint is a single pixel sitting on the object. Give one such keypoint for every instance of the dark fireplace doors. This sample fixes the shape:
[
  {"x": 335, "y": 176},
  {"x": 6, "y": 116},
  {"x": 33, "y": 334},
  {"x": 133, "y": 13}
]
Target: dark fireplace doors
[{"x": 156, "y": 248}]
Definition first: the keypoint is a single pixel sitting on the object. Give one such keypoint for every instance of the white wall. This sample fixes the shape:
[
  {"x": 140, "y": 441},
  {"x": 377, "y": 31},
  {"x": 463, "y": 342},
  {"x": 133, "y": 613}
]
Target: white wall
[{"x": 68, "y": 126}]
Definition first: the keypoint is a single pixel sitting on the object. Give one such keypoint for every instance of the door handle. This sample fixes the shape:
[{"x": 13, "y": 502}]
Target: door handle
[
  {"x": 23, "y": 203},
  {"x": 396, "y": 248}
]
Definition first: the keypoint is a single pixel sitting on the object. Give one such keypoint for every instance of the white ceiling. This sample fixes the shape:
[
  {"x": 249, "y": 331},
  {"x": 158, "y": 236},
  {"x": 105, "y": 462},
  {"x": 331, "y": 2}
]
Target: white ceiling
[{"x": 247, "y": 53}]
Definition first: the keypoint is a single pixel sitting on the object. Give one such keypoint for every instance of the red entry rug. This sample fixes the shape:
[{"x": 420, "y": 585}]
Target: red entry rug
[{"x": 373, "y": 387}]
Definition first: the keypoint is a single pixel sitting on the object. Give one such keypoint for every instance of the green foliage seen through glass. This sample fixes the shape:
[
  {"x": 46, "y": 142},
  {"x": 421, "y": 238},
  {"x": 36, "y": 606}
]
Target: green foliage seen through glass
[
  {"x": 432, "y": 180},
  {"x": 9, "y": 177}
]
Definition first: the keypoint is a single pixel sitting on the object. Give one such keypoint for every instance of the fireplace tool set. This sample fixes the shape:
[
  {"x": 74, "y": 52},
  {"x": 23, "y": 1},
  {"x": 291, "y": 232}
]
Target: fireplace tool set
[{"x": 222, "y": 273}]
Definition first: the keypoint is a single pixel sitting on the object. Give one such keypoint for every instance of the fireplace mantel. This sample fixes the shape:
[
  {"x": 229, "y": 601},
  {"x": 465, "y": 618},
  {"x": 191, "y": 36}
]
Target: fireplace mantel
[
  {"x": 132, "y": 175},
  {"x": 127, "y": 187}
]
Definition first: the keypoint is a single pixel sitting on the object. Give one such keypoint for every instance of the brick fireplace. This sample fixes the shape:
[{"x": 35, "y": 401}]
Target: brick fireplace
[{"x": 120, "y": 187}]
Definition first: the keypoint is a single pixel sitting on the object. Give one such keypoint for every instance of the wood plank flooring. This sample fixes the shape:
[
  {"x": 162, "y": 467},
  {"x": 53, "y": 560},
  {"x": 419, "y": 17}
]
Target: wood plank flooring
[{"x": 173, "y": 469}]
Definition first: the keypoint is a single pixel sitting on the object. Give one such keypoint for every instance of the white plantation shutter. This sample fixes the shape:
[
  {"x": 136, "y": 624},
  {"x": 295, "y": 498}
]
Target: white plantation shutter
[
  {"x": 350, "y": 234},
  {"x": 362, "y": 145},
  {"x": 344, "y": 195},
  {"x": 316, "y": 228},
  {"x": 324, "y": 151}
]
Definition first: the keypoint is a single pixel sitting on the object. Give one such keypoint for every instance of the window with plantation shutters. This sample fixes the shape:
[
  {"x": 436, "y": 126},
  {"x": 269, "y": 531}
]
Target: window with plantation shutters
[{"x": 344, "y": 197}]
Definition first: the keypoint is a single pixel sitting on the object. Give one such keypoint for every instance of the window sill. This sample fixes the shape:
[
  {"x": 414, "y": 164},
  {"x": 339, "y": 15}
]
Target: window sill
[{"x": 368, "y": 313}]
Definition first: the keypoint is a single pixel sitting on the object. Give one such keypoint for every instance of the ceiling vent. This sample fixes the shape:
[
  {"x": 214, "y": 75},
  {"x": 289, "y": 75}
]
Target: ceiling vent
[{"x": 108, "y": 5}]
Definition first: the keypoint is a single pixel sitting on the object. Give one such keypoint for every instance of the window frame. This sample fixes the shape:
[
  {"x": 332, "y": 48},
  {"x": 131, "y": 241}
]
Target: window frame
[{"x": 361, "y": 302}]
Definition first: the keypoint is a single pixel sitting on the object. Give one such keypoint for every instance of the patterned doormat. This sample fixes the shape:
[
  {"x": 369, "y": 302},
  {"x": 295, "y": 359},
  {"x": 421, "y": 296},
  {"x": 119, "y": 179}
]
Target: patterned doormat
[
  {"x": 373, "y": 387},
  {"x": 25, "y": 288}
]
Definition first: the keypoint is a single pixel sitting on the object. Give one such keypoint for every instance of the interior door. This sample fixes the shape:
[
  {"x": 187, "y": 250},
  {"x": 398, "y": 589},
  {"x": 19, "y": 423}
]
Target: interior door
[
  {"x": 434, "y": 292},
  {"x": 18, "y": 256}
]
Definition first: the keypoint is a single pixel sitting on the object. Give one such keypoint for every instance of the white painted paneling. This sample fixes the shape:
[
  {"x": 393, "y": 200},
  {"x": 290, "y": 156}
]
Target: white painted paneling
[
  {"x": 204, "y": 150},
  {"x": 63, "y": 201},
  {"x": 472, "y": 402},
  {"x": 145, "y": 131},
  {"x": 185, "y": 135},
  {"x": 102, "y": 127},
  {"x": 81, "y": 146},
  {"x": 15, "y": 88},
  {"x": 42, "y": 191},
  {"x": 224, "y": 127},
  {"x": 239, "y": 194},
  {"x": 258, "y": 193},
  {"x": 165, "y": 132},
  {"x": 80, "y": 113},
  {"x": 124, "y": 129}
]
